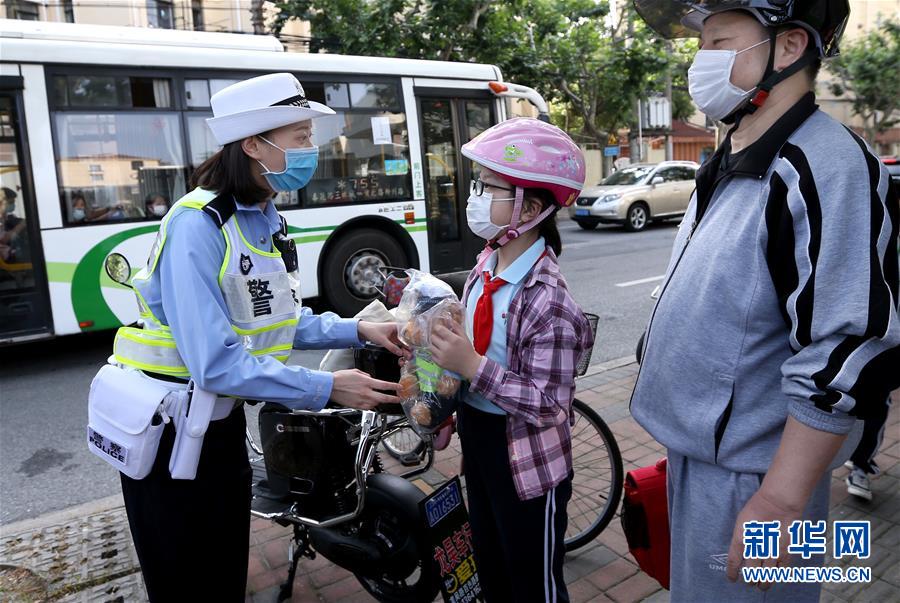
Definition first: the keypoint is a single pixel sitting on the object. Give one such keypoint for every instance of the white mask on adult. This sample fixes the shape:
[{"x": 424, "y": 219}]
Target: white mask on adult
[
  {"x": 709, "y": 82},
  {"x": 478, "y": 215}
]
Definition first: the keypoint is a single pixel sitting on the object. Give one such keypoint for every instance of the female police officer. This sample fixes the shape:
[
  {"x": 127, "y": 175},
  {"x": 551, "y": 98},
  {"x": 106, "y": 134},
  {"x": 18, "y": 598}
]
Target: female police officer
[{"x": 219, "y": 287}]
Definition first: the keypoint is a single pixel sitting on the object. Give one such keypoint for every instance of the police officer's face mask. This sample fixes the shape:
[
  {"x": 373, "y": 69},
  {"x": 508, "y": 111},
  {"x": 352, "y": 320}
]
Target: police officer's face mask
[
  {"x": 299, "y": 167},
  {"x": 709, "y": 82}
]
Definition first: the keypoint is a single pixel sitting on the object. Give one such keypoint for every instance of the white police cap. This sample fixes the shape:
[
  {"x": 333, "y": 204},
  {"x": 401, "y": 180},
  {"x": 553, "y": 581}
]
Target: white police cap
[{"x": 260, "y": 104}]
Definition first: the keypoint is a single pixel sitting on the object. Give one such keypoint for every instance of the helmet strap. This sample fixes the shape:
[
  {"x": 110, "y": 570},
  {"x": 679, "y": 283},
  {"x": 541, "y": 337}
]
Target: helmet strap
[
  {"x": 765, "y": 87},
  {"x": 771, "y": 78},
  {"x": 514, "y": 232}
]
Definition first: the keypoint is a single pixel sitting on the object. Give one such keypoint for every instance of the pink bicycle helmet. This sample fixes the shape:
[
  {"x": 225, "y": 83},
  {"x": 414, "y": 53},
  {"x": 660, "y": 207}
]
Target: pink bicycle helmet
[{"x": 531, "y": 154}]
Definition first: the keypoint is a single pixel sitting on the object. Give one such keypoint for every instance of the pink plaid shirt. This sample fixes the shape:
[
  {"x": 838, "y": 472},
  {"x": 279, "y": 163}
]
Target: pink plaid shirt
[{"x": 546, "y": 334}]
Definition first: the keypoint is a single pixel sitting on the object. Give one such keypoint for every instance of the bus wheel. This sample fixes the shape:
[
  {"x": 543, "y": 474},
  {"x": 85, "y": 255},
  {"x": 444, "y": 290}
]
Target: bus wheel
[{"x": 350, "y": 276}]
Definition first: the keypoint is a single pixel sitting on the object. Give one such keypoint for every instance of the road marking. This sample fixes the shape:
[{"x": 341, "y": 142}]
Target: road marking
[
  {"x": 581, "y": 244},
  {"x": 642, "y": 281}
]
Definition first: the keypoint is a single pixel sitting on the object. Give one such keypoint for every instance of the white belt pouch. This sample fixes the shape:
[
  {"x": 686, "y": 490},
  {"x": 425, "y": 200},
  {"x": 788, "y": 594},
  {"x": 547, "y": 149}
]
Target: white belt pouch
[
  {"x": 190, "y": 428},
  {"x": 126, "y": 417}
]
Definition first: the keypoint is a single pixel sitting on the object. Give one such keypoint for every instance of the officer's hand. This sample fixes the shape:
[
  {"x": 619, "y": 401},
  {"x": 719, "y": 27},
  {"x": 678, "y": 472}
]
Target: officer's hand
[
  {"x": 356, "y": 389},
  {"x": 383, "y": 334}
]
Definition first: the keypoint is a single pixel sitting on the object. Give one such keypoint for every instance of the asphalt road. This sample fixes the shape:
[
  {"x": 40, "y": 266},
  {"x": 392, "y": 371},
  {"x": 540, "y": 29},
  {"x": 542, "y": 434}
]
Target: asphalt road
[{"x": 44, "y": 461}]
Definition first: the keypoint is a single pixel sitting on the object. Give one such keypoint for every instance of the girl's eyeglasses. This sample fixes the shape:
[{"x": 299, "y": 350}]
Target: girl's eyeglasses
[{"x": 478, "y": 187}]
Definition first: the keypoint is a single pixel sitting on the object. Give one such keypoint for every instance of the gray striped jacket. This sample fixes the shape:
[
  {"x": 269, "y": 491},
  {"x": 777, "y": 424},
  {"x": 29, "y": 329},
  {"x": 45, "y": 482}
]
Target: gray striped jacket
[{"x": 781, "y": 299}]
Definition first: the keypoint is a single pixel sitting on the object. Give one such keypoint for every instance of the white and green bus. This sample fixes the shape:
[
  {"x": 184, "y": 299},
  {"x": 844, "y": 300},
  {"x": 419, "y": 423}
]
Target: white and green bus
[{"x": 98, "y": 123}]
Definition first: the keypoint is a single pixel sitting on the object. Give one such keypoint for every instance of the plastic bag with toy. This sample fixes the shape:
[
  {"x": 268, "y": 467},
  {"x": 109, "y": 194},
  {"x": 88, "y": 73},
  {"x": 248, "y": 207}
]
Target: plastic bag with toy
[{"x": 429, "y": 393}]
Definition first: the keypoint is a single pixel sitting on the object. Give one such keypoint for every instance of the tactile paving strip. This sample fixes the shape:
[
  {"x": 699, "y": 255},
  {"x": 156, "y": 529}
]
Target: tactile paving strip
[{"x": 86, "y": 559}]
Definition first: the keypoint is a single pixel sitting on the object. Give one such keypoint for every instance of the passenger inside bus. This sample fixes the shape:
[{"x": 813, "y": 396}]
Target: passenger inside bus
[
  {"x": 81, "y": 213},
  {"x": 156, "y": 205},
  {"x": 13, "y": 238}
]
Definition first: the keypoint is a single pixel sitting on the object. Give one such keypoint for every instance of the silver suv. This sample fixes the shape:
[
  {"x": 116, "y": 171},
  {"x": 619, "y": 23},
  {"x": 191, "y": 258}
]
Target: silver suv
[{"x": 637, "y": 194}]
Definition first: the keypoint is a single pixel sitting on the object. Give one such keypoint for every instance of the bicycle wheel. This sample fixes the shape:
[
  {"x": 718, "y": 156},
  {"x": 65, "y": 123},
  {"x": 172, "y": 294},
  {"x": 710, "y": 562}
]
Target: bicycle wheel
[
  {"x": 597, "y": 484},
  {"x": 405, "y": 445}
]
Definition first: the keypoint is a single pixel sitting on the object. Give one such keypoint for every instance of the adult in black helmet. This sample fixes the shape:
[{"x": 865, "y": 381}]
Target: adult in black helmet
[
  {"x": 724, "y": 98},
  {"x": 777, "y": 328}
]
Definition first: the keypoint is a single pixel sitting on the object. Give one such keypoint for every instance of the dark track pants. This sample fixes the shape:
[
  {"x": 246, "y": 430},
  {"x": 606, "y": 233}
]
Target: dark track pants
[
  {"x": 873, "y": 433},
  {"x": 519, "y": 549},
  {"x": 193, "y": 536}
]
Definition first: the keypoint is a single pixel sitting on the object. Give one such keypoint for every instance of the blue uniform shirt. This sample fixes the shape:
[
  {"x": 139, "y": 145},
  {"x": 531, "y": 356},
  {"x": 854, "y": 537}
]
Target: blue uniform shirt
[
  {"x": 515, "y": 275},
  {"x": 184, "y": 294}
]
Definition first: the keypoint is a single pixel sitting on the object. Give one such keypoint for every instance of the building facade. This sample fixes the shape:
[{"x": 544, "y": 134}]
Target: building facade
[
  {"x": 236, "y": 16},
  {"x": 865, "y": 16}
]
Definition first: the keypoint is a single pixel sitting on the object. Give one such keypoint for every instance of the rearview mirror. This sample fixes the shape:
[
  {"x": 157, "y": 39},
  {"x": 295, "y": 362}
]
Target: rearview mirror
[
  {"x": 118, "y": 268},
  {"x": 657, "y": 180}
]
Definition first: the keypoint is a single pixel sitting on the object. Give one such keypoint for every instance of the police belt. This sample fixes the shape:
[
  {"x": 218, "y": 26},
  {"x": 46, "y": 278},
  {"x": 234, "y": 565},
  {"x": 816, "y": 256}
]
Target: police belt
[{"x": 224, "y": 405}]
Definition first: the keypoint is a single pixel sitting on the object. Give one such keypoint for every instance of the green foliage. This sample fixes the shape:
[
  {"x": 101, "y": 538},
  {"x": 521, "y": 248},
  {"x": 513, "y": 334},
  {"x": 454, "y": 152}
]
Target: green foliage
[
  {"x": 680, "y": 60},
  {"x": 566, "y": 49},
  {"x": 867, "y": 69}
]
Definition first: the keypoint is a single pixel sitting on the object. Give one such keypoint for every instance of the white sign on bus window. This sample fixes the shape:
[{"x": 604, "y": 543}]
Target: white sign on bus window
[{"x": 381, "y": 130}]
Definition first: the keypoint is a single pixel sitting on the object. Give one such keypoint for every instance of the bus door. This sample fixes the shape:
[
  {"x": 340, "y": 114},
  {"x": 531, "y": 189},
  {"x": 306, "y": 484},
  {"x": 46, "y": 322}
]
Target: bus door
[
  {"x": 24, "y": 297},
  {"x": 449, "y": 119}
]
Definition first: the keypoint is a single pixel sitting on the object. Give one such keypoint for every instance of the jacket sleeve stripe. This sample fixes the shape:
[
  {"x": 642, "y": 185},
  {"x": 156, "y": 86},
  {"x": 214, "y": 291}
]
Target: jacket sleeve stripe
[
  {"x": 881, "y": 300},
  {"x": 803, "y": 202},
  {"x": 858, "y": 365},
  {"x": 780, "y": 244}
]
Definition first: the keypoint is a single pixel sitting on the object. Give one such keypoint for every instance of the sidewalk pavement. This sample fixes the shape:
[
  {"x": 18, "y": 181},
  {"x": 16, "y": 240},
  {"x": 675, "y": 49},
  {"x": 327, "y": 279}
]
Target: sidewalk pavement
[{"x": 84, "y": 554}]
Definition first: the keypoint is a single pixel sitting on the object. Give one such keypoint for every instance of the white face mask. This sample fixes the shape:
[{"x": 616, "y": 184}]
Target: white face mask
[
  {"x": 709, "y": 82},
  {"x": 78, "y": 214},
  {"x": 478, "y": 215},
  {"x": 159, "y": 210}
]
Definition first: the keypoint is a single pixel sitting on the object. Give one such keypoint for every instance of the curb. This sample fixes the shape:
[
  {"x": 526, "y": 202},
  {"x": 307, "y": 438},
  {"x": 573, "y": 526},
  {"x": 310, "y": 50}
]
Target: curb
[
  {"x": 596, "y": 369},
  {"x": 63, "y": 516}
]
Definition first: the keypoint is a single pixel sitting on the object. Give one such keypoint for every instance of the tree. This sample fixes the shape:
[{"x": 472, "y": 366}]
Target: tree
[
  {"x": 563, "y": 48},
  {"x": 680, "y": 60},
  {"x": 418, "y": 29},
  {"x": 351, "y": 26},
  {"x": 867, "y": 69},
  {"x": 257, "y": 18}
]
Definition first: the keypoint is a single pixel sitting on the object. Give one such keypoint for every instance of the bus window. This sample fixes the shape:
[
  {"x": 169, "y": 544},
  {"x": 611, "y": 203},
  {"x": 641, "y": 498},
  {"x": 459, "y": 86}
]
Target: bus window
[
  {"x": 363, "y": 147},
  {"x": 442, "y": 183},
  {"x": 77, "y": 91},
  {"x": 113, "y": 160},
  {"x": 478, "y": 117},
  {"x": 203, "y": 144},
  {"x": 374, "y": 96},
  {"x": 198, "y": 92}
]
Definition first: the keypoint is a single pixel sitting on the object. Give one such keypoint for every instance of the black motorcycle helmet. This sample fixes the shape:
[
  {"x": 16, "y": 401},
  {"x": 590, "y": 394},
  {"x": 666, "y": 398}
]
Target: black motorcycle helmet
[{"x": 824, "y": 20}]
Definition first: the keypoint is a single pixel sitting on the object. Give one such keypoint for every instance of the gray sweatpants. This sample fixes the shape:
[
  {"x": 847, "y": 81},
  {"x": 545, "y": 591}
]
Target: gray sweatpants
[{"x": 704, "y": 501}]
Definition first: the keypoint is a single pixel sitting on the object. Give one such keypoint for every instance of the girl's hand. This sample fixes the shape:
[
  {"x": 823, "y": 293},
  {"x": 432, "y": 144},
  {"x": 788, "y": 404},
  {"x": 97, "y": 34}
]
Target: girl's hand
[
  {"x": 383, "y": 334},
  {"x": 452, "y": 350}
]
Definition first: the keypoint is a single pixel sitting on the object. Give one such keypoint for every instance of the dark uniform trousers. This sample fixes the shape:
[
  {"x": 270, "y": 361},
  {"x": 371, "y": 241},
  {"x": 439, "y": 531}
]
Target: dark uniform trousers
[{"x": 193, "y": 536}]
